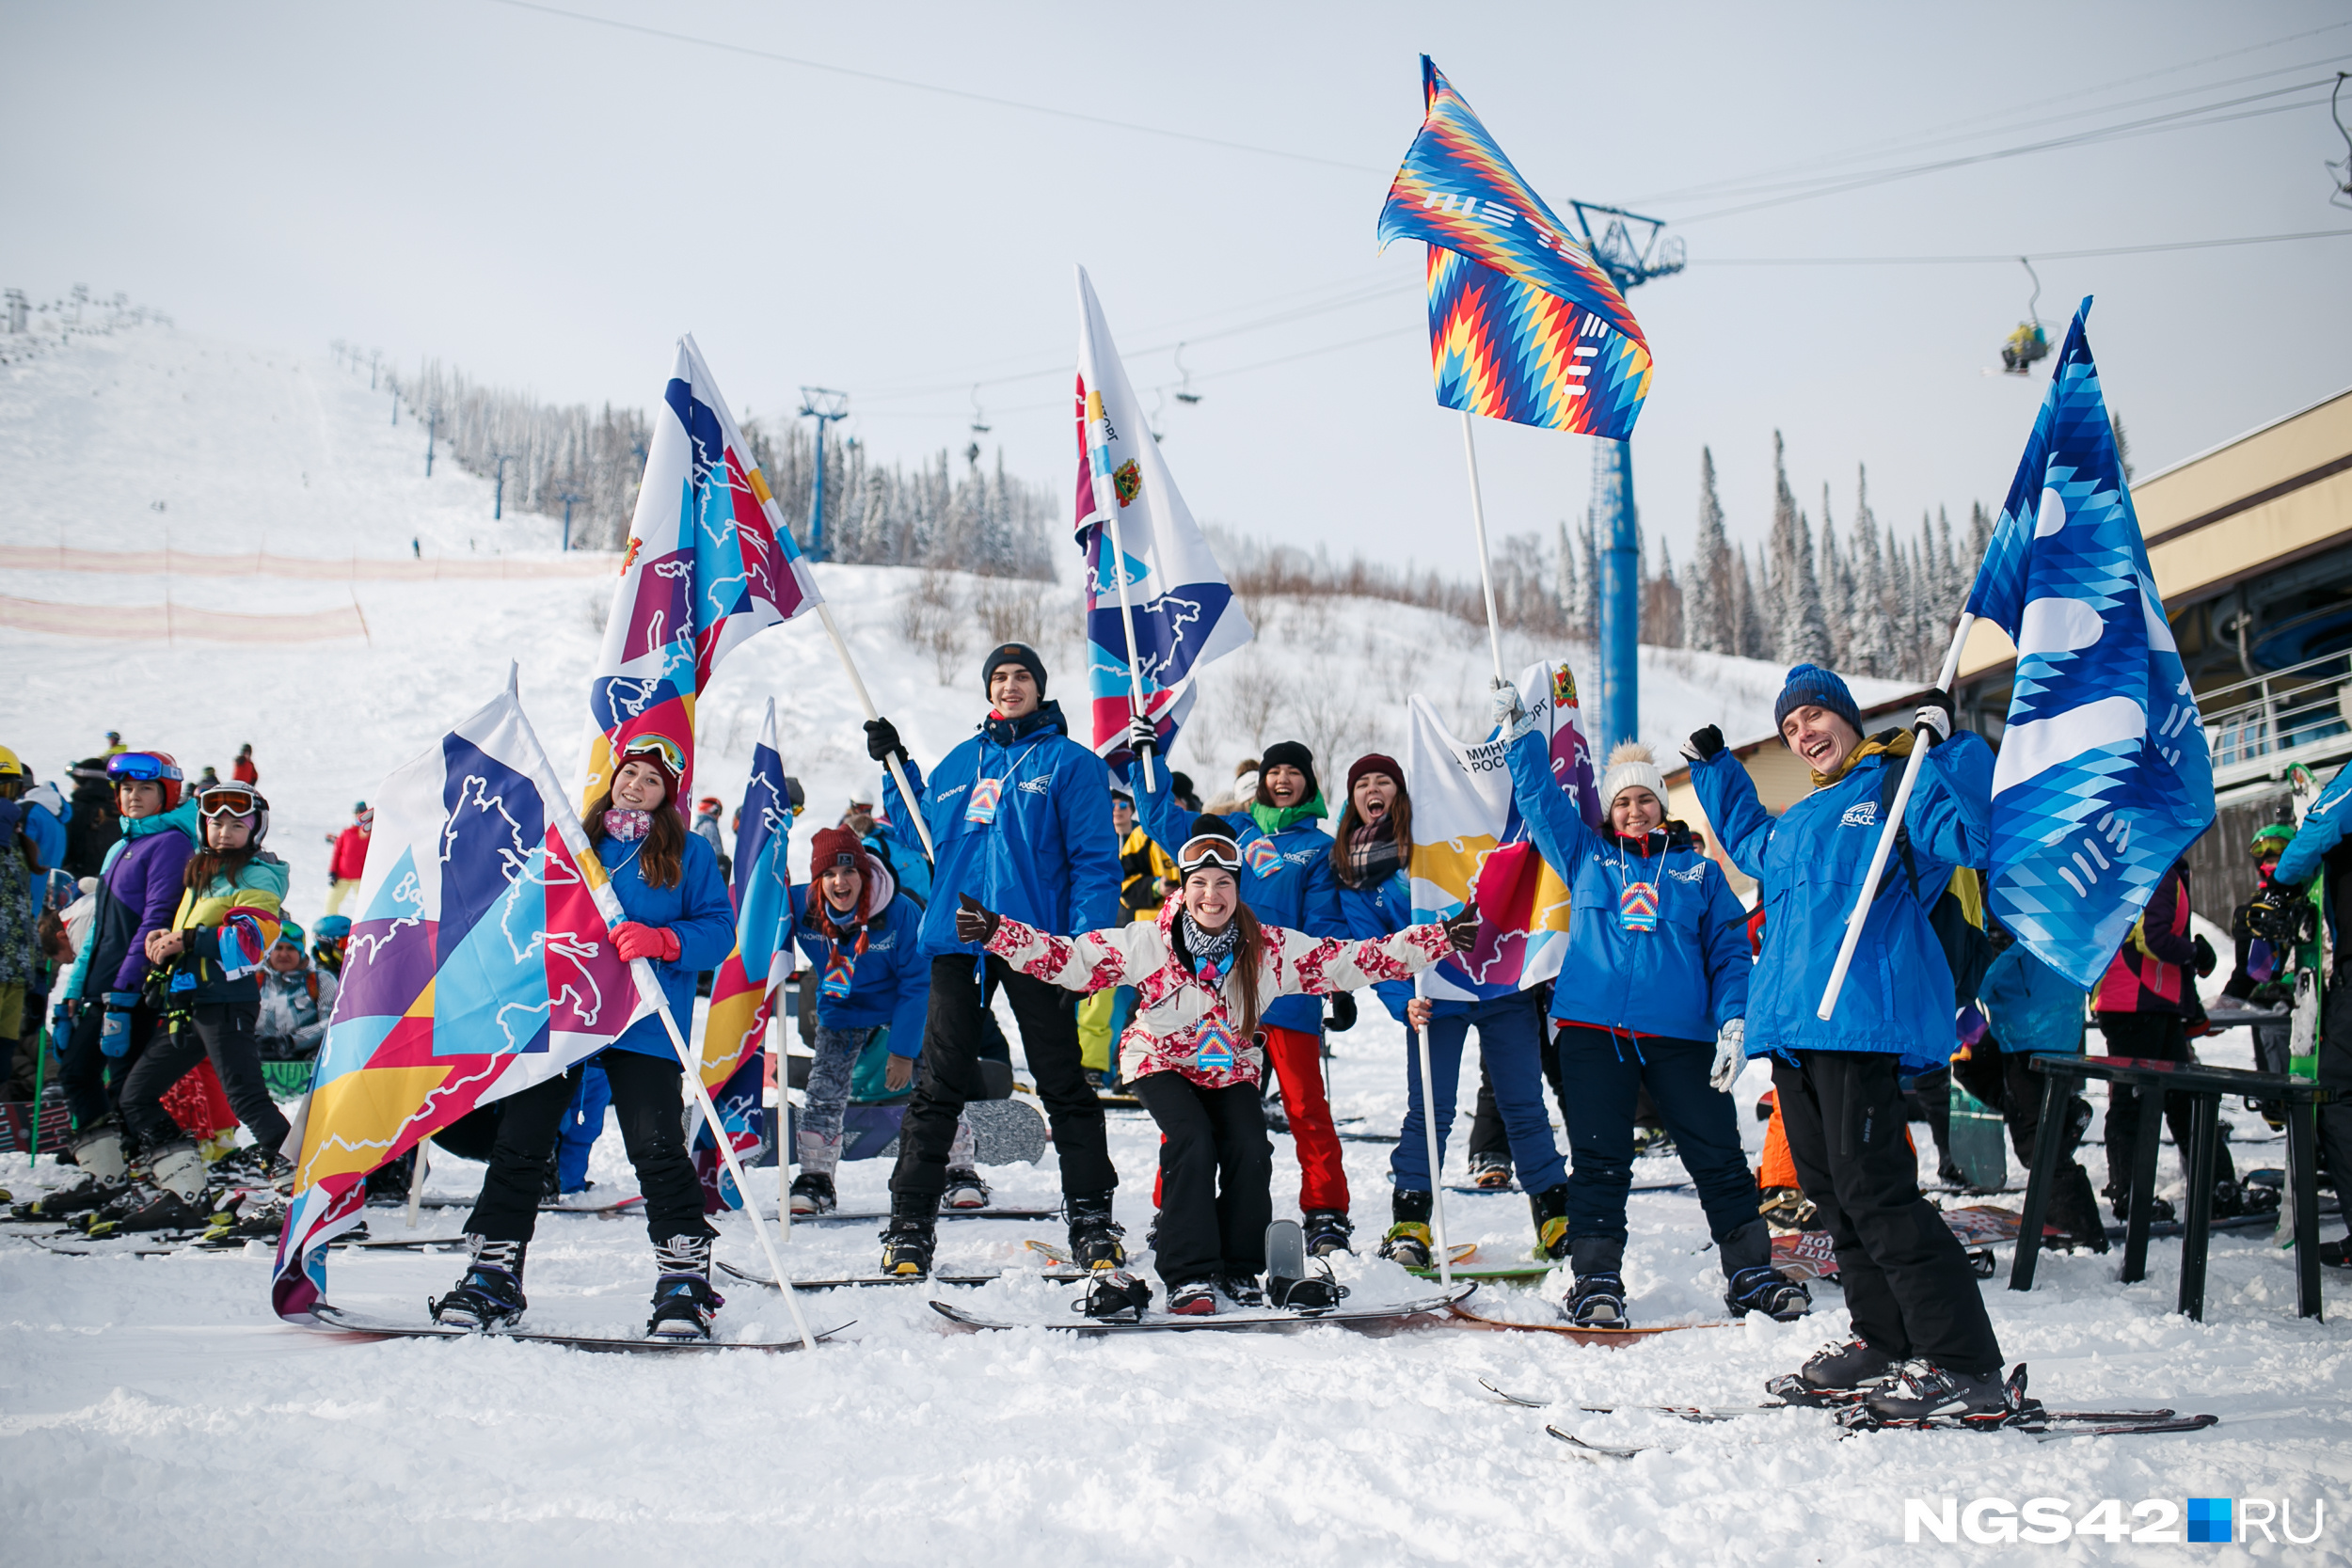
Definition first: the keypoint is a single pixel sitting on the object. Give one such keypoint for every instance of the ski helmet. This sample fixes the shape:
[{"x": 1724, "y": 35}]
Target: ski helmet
[
  {"x": 2271, "y": 838},
  {"x": 159, "y": 768},
  {"x": 235, "y": 800},
  {"x": 9, "y": 767}
]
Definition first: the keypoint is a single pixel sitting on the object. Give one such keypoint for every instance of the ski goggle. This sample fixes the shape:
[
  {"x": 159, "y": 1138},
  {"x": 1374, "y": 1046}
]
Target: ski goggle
[
  {"x": 228, "y": 801},
  {"x": 1208, "y": 849},
  {"x": 658, "y": 748},
  {"x": 140, "y": 767}
]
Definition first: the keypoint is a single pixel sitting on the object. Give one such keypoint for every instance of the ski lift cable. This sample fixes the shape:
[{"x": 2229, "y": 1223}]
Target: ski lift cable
[
  {"x": 1018, "y": 105},
  {"x": 2035, "y": 256}
]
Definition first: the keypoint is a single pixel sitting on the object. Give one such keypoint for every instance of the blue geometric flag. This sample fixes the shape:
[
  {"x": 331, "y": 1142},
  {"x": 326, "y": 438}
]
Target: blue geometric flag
[{"x": 2103, "y": 778}]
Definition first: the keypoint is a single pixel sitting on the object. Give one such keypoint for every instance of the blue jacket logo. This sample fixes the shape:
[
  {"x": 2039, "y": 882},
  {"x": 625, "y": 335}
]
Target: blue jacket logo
[{"x": 1862, "y": 814}]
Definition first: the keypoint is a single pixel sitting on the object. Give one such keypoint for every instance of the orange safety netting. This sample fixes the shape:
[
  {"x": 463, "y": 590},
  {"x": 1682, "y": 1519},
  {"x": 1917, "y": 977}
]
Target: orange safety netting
[
  {"x": 174, "y": 563},
  {"x": 168, "y": 622}
]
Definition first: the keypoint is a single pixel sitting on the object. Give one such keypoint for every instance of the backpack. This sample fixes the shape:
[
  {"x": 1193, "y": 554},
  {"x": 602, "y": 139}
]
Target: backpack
[{"x": 1956, "y": 917}]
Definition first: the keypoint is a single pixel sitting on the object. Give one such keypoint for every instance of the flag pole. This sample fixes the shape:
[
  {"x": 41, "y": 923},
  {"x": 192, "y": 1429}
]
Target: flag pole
[
  {"x": 1429, "y": 1131},
  {"x": 857, "y": 683},
  {"x": 1478, "y": 525},
  {"x": 1106, "y": 502},
  {"x": 1887, "y": 831},
  {"x": 650, "y": 988},
  {"x": 415, "y": 1179}
]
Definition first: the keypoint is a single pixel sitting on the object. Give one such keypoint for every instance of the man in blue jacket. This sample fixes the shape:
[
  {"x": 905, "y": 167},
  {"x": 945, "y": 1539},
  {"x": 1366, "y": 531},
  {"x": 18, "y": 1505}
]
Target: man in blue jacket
[
  {"x": 1923, "y": 1340},
  {"x": 2320, "y": 845},
  {"x": 1016, "y": 815}
]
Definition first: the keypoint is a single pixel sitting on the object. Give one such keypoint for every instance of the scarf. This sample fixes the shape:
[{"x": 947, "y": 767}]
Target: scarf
[
  {"x": 1211, "y": 952},
  {"x": 1891, "y": 743},
  {"x": 1373, "y": 856},
  {"x": 1274, "y": 819},
  {"x": 630, "y": 826}
]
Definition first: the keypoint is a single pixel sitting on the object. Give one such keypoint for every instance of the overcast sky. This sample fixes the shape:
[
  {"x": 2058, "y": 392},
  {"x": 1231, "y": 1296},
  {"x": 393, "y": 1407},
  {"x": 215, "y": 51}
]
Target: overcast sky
[{"x": 547, "y": 203}]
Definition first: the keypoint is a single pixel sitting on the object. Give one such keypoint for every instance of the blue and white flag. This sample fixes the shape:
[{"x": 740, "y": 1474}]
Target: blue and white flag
[
  {"x": 2104, "y": 779},
  {"x": 1184, "y": 613}
]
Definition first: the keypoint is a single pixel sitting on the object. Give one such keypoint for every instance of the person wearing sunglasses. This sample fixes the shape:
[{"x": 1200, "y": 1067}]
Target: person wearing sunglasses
[
  {"x": 682, "y": 921},
  {"x": 203, "y": 981},
  {"x": 1016, "y": 815},
  {"x": 1205, "y": 971},
  {"x": 140, "y": 884}
]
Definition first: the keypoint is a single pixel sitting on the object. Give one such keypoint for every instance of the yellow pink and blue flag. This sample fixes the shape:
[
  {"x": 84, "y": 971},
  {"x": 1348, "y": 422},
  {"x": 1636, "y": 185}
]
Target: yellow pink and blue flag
[
  {"x": 1469, "y": 841},
  {"x": 1524, "y": 325},
  {"x": 481, "y": 962},
  {"x": 2103, "y": 778},
  {"x": 710, "y": 562},
  {"x": 762, "y": 892}
]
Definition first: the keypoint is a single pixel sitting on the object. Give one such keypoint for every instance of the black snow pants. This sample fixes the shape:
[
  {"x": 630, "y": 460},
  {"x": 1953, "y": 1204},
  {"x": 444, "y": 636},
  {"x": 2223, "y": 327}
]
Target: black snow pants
[
  {"x": 1216, "y": 1178},
  {"x": 648, "y": 1100},
  {"x": 224, "y": 1032},
  {"x": 2156, "y": 1037}
]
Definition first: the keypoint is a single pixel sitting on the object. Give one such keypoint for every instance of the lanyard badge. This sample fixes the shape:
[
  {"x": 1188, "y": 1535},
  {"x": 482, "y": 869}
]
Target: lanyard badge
[
  {"x": 1214, "y": 1049},
  {"x": 834, "y": 987},
  {"x": 1637, "y": 907},
  {"x": 981, "y": 809}
]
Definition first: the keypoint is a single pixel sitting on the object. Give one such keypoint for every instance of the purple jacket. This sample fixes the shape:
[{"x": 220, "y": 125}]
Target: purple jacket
[{"x": 139, "y": 893}]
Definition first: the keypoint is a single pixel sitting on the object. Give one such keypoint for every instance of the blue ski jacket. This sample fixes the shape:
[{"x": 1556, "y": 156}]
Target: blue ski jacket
[
  {"x": 1382, "y": 909},
  {"x": 890, "y": 981},
  {"x": 1286, "y": 881},
  {"x": 696, "y": 908},
  {"x": 1809, "y": 863},
  {"x": 2030, "y": 1005},
  {"x": 1046, "y": 856},
  {"x": 1686, "y": 978}
]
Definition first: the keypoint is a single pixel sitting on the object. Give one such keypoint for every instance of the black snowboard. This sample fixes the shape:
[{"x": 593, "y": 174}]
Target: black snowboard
[{"x": 336, "y": 1320}]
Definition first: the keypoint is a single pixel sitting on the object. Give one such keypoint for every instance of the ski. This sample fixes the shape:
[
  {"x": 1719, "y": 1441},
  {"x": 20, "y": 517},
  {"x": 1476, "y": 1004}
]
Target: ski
[
  {"x": 877, "y": 1216},
  {"x": 334, "y": 1320},
  {"x": 1465, "y": 1318},
  {"x": 1845, "y": 1397},
  {"x": 767, "y": 1282},
  {"x": 2045, "y": 1428},
  {"x": 1243, "y": 1319},
  {"x": 1596, "y": 1449}
]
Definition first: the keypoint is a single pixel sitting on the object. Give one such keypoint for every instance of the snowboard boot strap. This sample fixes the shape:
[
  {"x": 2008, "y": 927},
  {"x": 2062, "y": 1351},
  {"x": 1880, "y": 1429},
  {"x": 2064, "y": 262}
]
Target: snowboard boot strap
[
  {"x": 490, "y": 1292},
  {"x": 1317, "y": 1292},
  {"x": 1115, "y": 1295},
  {"x": 820, "y": 1155}
]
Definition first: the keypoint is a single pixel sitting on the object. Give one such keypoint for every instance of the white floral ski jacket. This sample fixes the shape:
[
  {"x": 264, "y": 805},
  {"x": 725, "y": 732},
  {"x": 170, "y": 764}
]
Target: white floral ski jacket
[{"x": 1183, "y": 1025}]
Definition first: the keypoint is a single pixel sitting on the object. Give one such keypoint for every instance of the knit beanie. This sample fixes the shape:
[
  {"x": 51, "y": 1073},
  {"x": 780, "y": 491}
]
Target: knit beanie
[
  {"x": 833, "y": 846},
  {"x": 1811, "y": 686},
  {"x": 1289, "y": 754},
  {"x": 1373, "y": 762},
  {"x": 1631, "y": 767},
  {"x": 1014, "y": 652}
]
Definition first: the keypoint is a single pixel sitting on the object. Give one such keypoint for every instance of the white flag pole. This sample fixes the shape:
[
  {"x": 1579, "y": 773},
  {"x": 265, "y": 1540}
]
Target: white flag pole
[
  {"x": 650, "y": 986},
  {"x": 857, "y": 683},
  {"x": 415, "y": 1179},
  {"x": 1478, "y": 526},
  {"x": 1429, "y": 1131},
  {"x": 1106, "y": 502},
  {"x": 1887, "y": 831}
]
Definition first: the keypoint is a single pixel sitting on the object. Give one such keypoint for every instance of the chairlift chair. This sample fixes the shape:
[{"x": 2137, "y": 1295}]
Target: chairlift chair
[{"x": 2029, "y": 344}]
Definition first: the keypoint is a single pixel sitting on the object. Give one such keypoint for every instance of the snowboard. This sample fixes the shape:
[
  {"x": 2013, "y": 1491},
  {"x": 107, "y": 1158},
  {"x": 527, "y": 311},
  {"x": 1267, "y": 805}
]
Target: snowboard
[
  {"x": 943, "y": 1277},
  {"x": 1465, "y": 1318},
  {"x": 1256, "y": 1319},
  {"x": 335, "y": 1319},
  {"x": 1806, "y": 1254},
  {"x": 875, "y": 1216},
  {"x": 2308, "y": 958},
  {"x": 1004, "y": 1132}
]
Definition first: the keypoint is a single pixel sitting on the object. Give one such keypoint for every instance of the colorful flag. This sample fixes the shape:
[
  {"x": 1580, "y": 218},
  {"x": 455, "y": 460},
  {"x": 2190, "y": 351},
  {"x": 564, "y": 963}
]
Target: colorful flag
[
  {"x": 710, "y": 562},
  {"x": 1184, "y": 613},
  {"x": 1523, "y": 324},
  {"x": 481, "y": 963},
  {"x": 1469, "y": 841},
  {"x": 737, "y": 1020},
  {"x": 2103, "y": 780}
]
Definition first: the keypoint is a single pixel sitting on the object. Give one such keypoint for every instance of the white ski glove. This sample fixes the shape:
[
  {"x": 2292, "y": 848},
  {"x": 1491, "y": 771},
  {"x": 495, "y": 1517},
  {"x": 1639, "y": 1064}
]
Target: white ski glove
[
  {"x": 1935, "y": 716},
  {"x": 1731, "y": 1054},
  {"x": 1510, "y": 715},
  {"x": 1141, "y": 738}
]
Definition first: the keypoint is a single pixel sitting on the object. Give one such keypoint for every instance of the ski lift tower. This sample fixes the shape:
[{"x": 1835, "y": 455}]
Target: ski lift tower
[
  {"x": 1614, "y": 522},
  {"x": 825, "y": 406}
]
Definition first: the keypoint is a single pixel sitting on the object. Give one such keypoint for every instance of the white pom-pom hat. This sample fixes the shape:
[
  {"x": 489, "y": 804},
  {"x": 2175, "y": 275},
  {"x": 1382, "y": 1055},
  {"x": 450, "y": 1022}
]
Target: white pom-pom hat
[{"x": 1631, "y": 767}]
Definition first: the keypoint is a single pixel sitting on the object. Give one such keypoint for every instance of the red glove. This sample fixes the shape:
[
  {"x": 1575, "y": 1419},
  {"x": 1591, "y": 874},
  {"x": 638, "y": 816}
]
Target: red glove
[{"x": 646, "y": 941}]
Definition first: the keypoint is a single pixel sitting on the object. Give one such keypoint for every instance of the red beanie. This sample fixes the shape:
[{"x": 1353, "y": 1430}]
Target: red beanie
[
  {"x": 833, "y": 846},
  {"x": 1373, "y": 762}
]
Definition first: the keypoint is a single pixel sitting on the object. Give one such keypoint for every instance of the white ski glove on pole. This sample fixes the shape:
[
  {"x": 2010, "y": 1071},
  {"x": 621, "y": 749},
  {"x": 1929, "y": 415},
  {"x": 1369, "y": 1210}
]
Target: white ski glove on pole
[
  {"x": 1510, "y": 715},
  {"x": 1141, "y": 738},
  {"x": 1731, "y": 1054}
]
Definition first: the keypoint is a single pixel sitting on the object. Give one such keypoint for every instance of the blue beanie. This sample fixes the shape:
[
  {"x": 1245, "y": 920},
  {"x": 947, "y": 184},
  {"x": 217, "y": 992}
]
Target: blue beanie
[{"x": 1811, "y": 686}]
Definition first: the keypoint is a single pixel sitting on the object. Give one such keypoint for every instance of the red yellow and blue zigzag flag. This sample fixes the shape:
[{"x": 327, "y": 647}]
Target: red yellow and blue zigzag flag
[{"x": 1523, "y": 324}]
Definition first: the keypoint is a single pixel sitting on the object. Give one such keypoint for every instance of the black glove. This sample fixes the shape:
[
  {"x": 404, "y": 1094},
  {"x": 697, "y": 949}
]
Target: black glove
[
  {"x": 2272, "y": 915},
  {"x": 881, "y": 741},
  {"x": 975, "y": 922},
  {"x": 1461, "y": 932},
  {"x": 1342, "y": 1016},
  {"x": 1703, "y": 743},
  {"x": 2205, "y": 959},
  {"x": 1141, "y": 738}
]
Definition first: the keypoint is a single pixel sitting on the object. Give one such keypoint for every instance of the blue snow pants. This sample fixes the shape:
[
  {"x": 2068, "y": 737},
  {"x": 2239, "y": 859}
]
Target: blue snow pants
[{"x": 1510, "y": 1041}]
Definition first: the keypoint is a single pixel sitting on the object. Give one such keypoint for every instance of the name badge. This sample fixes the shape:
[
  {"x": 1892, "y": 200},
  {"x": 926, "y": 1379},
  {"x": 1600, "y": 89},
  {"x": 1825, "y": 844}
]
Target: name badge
[
  {"x": 1261, "y": 857},
  {"x": 1637, "y": 907},
  {"x": 840, "y": 969},
  {"x": 981, "y": 808},
  {"x": 1215, "y": 1051}
]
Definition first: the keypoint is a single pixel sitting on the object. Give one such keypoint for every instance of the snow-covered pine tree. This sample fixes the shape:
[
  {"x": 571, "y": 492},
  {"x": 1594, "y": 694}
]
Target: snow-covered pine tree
[
  {"x": 1804, "y": 633},
  {"x": 1662, "y": 603},
  {"x": 1980, "y": 541},
  {"x": 1564, "y": 590},
  {"x": 1709, "y": 618},
  {"x": 1837, "y": 588},
  {"x": 1751, "y": 627},
  {"x": 1870, "y": 647},
  {"x": 1588, "y": 613}
]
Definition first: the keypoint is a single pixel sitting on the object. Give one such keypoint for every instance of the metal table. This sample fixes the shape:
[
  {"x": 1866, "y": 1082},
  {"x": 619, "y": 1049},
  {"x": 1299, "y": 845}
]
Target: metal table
[{"x": 2205, "y": 1086}]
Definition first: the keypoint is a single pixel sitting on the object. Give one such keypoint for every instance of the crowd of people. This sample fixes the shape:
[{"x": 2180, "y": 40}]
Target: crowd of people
[{"x": 1146, "y": 946}]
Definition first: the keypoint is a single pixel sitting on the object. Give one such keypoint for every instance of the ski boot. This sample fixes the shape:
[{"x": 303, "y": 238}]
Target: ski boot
[
  {"x": 2337, "y": 1253},
  {"x": 1407, "y": 1240},
  {"x": 252, "y": 1168},
  {"x": 239, "y": 1223},
  {"x": 966, "y": 1190},
  {"x": 1550, "y": 1211},
  {"x": 1114, "y": 1295},
  {"x": 2159, "y": 1209},
  {"x": 813, "y": 1189},
  {"x": 1755, "y": 1285},
  {"x": 1490, "y": 1173},
  {"x": 105, "y": 1176},
  {"x": 1241, "y": 1289},
  {"x": 1598, "y": 1298},
  {"x": 1327, "y": 1231},
  {"x": 1835, "y": 1374},
  {"x": 489, "y": 1295},
  {"x": 2233, "y": 1198},
  {"x": 1195, "y": 1299},
  {"x": 909, "y": 1241},
  {"x": 1651, "y": 1141},
  {"x": 813, "y": 1194},
  {"x": 170, "y": 1197},
  {"x": 2073, "y": 1219},
  {"x": 1094, "y": 1237},
  {"x": 1923, "y": 1390},
  {"x": 683, "y": 1300}
]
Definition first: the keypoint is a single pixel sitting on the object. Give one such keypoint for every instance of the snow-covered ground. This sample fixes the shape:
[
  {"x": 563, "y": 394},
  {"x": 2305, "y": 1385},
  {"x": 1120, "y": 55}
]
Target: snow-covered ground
[{"x": 154, "y": 1409}]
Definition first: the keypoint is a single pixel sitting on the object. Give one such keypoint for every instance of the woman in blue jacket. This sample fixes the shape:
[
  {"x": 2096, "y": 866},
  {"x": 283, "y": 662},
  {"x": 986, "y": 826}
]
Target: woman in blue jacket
[
  {"x": 679, "y": 918},
  {"x": 1922, "y": 1337},
  {"x": 1286, "y": 881},
  {"x": 1652, "y": 993},
  {"x": 1371, "y": 861},
  {"x": 859, "y": 934}
]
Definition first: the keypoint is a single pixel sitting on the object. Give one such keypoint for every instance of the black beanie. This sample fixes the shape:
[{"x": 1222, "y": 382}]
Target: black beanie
[
  {"x": 1214, "y": 826},
  {"x": 1292, "y": 754},
  {"x": 1014, "y": 652}
]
